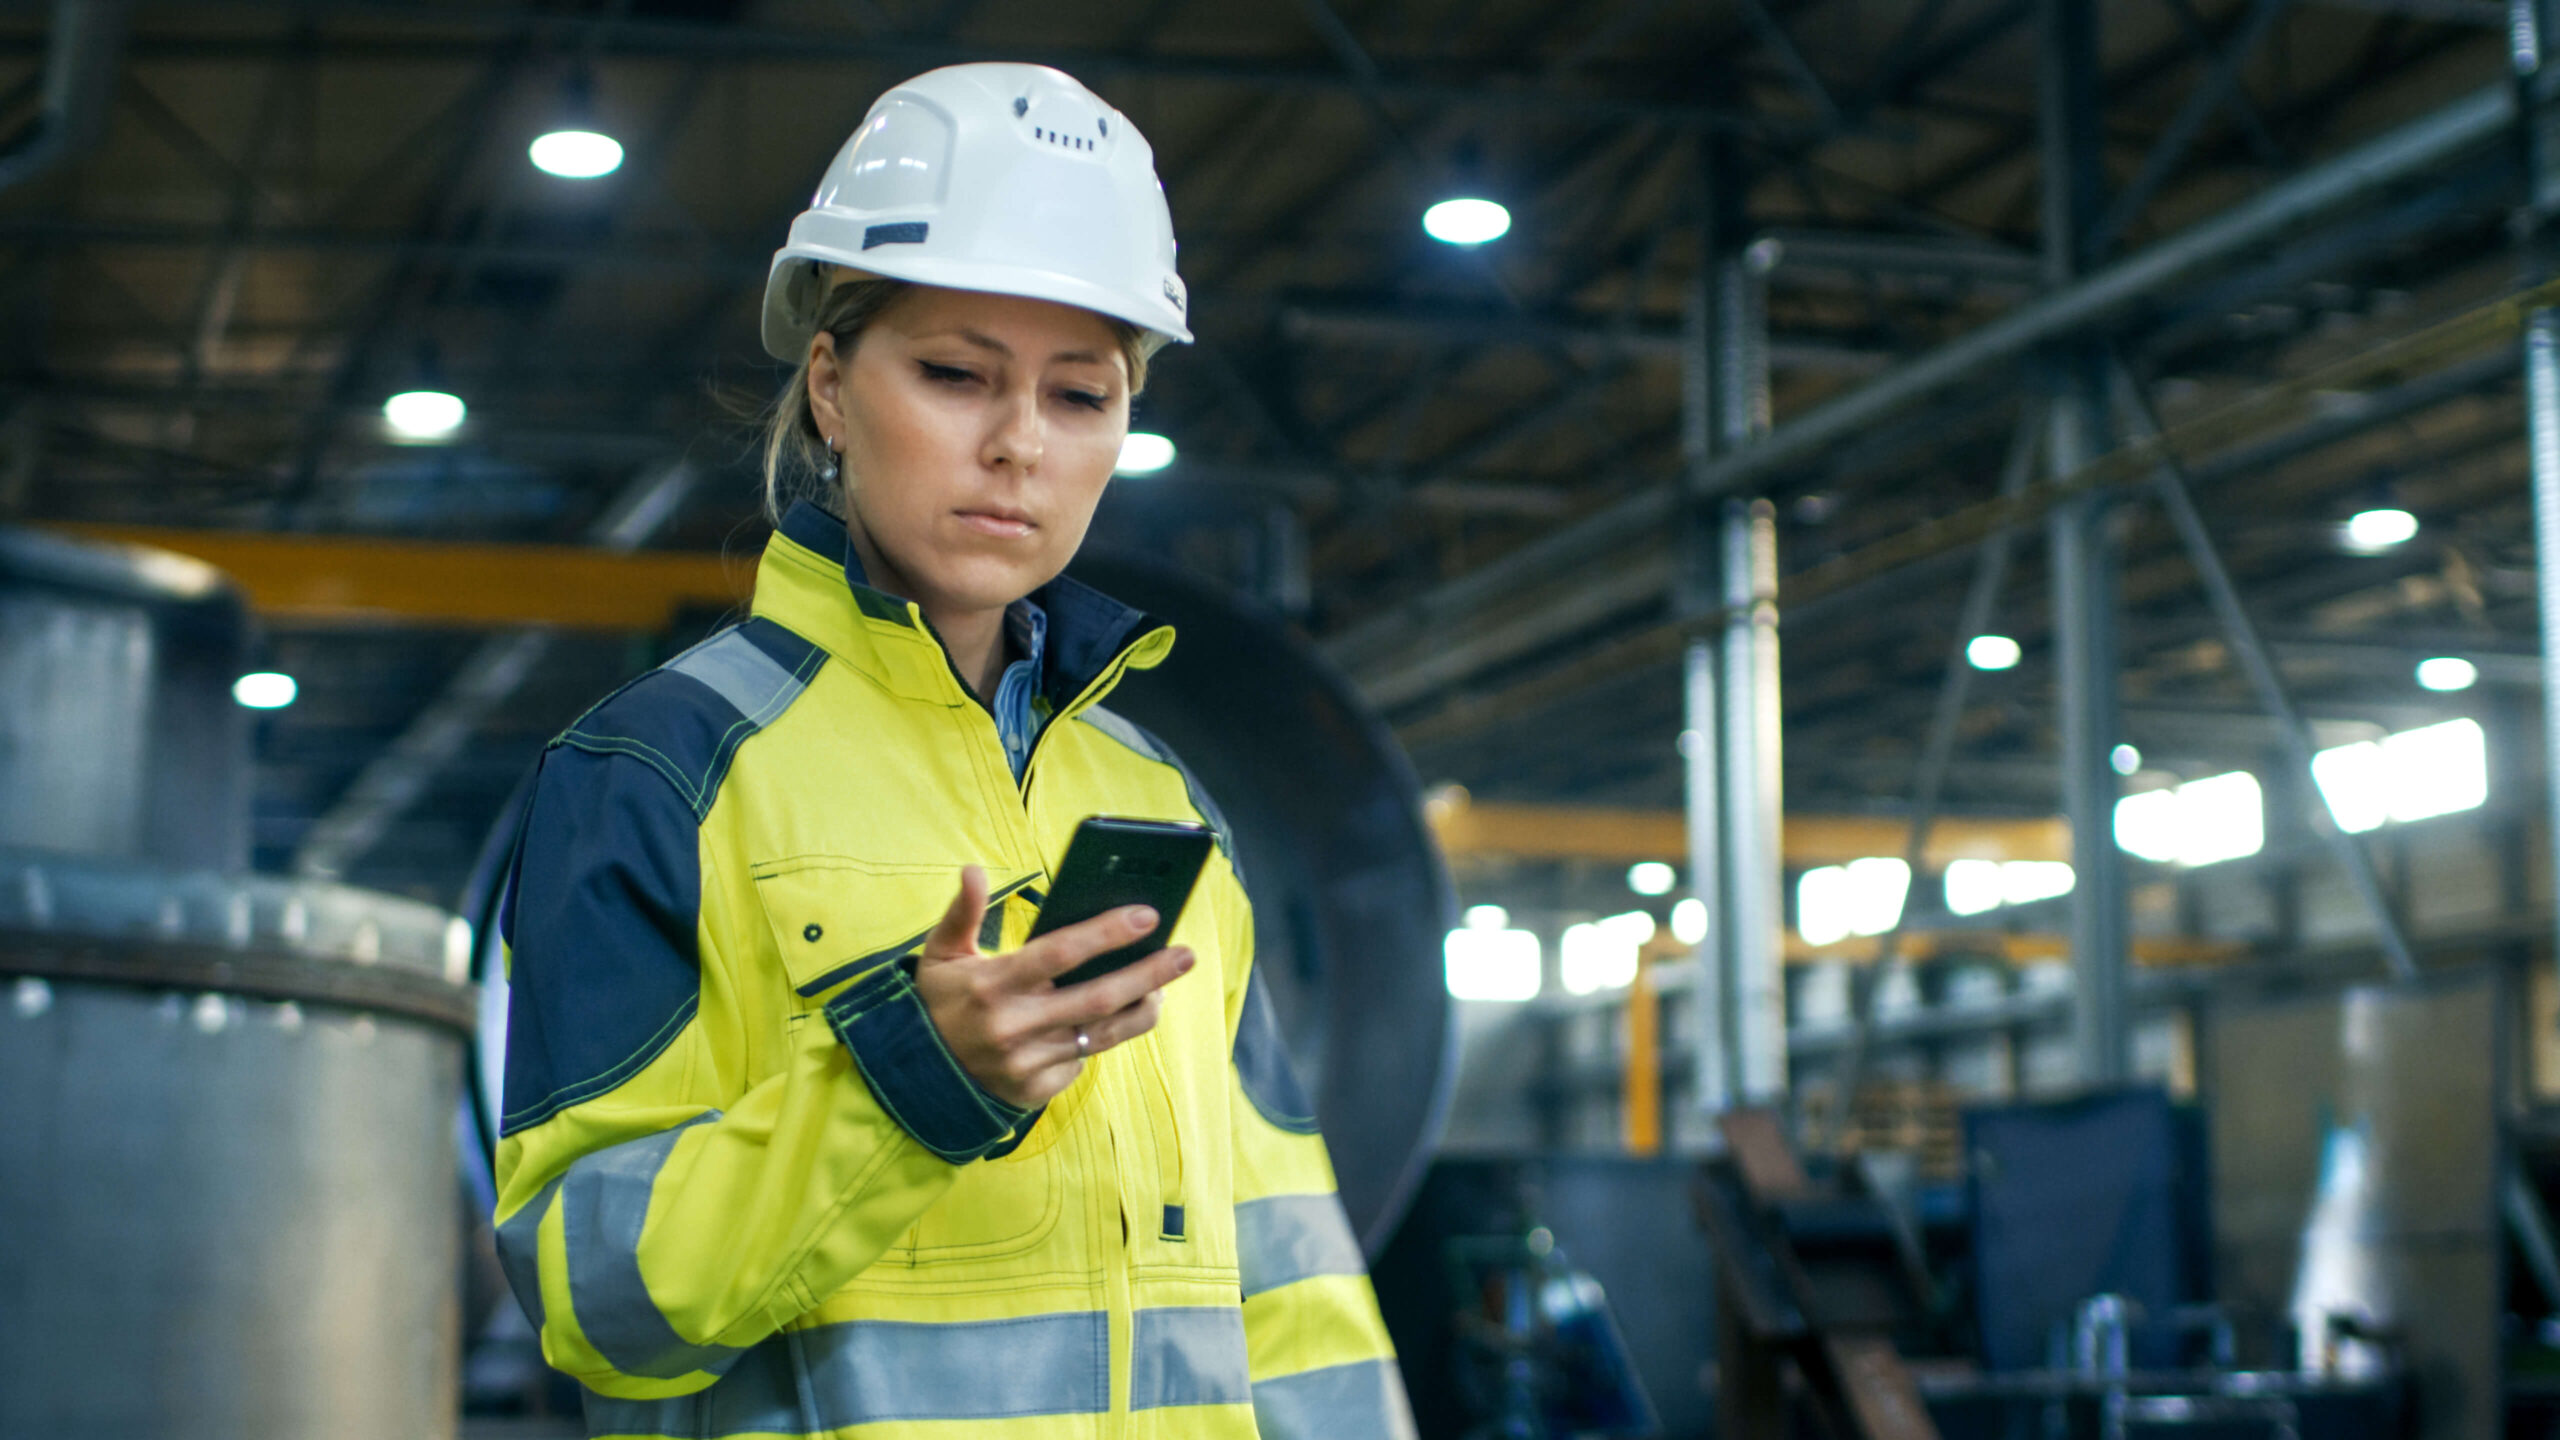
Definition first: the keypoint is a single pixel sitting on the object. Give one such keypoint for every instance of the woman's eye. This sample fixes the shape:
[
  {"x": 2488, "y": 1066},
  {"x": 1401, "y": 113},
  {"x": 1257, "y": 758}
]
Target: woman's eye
[
  {"x": 1089, "y": 399},
  {"x": 946, "y": 374}
]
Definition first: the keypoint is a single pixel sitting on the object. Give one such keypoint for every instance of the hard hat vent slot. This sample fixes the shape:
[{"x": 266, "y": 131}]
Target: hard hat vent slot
[
  {"x": 905, "y": 232},
  {"x": 1071, "y": 142}
]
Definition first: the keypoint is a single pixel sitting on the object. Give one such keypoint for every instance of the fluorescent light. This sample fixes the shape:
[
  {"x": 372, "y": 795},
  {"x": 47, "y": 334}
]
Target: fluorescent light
[
  {"x": 2414, "y": 775},
  {"x": 1484, "y": 964},
  {"x": 1651, "y": 877},
  {"x": 1466, "y": 222},
  {"x": 576, "y": 154},
  {"x": 423, "y": 414},
  {"x": 2372, "y": 531},
  {"x": 1689, "y": 921},
  {"x": 265, "y": 690},
  {"x": 2125, "y": 759},
  {"x": 1603, "y": 954},
  {"x": 2221, "y": 817},
  {"x": 1992, "y": 652},
  {"x": 1863, "y": 897},
  {"x": 2448, "y": 672},
  {"x": 1488, "y": 917},
  {"x": 1143, "y": 454}
]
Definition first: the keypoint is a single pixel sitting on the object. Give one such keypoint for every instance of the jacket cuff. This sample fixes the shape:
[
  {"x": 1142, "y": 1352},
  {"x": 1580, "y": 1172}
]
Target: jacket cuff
[{"x": 882, "y": 1020}]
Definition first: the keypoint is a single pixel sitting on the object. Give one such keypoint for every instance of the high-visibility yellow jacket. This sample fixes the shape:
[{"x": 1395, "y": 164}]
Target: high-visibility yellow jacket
[{"x": 743, "y": 1188}]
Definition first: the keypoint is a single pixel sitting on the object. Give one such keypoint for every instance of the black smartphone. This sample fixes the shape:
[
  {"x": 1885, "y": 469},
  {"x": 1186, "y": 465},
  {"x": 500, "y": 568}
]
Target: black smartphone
[{"x": 1113, "y": 862}]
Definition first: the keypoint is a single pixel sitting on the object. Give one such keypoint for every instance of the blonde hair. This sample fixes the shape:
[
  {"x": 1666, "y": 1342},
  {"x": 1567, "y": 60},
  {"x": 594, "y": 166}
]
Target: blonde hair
[{"x": 795, "y": 454}]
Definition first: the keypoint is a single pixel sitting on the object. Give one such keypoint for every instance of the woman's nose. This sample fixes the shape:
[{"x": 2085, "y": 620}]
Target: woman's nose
[{"x": 1019, "y": 438}]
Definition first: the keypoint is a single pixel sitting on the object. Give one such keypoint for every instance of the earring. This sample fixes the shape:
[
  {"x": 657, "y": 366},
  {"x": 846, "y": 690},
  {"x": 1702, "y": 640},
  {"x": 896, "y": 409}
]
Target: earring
[{"x": 831, "y": 469}]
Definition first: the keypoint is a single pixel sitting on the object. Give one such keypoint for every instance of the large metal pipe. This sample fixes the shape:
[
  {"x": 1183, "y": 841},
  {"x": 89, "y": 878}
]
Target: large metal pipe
[{"x": 2412, "y": 151}]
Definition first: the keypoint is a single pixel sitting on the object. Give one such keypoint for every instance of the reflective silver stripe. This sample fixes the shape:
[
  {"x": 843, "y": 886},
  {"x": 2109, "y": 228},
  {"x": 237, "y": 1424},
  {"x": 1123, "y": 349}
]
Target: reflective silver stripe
[
  {"x": 603, "y": 1201},
  {"x": 1188, "y": 1355},
  {"x": 1287, "y": 1238},
  {"x": 864, "y": 1372},
  {"x": 1361, "y": 1401},
  {"x": 742, "y": 674},
  {"x": 520, "y": 1252}
]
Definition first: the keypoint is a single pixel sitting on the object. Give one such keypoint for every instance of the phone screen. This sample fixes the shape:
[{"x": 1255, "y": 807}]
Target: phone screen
[{"x": 1113, "y": 862}]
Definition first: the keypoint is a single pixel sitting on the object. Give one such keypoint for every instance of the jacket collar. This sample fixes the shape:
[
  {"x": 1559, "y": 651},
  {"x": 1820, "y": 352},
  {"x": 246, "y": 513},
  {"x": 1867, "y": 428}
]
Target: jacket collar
[{"x": 811, "y": 581}]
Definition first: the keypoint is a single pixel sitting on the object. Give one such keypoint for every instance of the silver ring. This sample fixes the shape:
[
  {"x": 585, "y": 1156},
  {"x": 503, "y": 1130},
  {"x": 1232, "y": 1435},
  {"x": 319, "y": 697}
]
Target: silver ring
[{"x": 1084, "y": 1043}]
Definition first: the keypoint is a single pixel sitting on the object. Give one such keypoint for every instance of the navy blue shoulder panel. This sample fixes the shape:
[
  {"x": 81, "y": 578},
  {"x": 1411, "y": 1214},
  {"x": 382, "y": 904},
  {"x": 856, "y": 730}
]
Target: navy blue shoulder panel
[
  {"x": 687, "y": 718},
  {"x": 603, "y": 970},
  {"x": 1262, "y": 1064},
  {"x": 605, "y": 890}
]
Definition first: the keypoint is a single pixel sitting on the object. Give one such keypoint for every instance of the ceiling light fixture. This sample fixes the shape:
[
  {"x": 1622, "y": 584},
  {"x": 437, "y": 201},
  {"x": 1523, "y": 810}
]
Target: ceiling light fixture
[
  {"x": 265, "y": 690},
  {"x": 576, "y": 154},
  {"x": 2448, "y": 672},
  {"x": 1143, "y": 454},
  {"x": 423, "y": 414},
  {"x": 1466, "y": 221},
  {"x": 2370, "y": 532},
  {"x": 1993, "y": 652}
]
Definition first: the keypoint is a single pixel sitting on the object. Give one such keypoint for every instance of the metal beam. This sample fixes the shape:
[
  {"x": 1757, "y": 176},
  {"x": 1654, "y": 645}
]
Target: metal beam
[
  {"x": 1472, "y": 830},
  {"x": 323, "y": 580},
  {"x": 454, "y": 34},
  {"x": 2083, "y": 550},
  {"x": 2434, "y": 142},
  {"x": 394, "y": 780}
]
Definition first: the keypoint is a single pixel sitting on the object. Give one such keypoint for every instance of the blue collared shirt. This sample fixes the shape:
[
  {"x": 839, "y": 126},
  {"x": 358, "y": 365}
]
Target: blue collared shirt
[{"x": 1018, "y": 720}]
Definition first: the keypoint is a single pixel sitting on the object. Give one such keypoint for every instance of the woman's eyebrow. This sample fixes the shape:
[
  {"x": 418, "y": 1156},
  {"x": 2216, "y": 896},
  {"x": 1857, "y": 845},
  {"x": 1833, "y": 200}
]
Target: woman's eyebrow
[{"x": 984, "y": 341}]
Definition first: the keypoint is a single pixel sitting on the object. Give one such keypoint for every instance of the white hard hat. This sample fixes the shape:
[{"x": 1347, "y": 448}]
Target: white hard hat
[{"x": 1012, "y": 179}]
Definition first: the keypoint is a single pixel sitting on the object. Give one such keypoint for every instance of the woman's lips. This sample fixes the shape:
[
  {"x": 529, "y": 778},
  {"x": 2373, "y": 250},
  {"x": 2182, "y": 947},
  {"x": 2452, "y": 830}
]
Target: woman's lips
[{"x": 999, "y": 524}]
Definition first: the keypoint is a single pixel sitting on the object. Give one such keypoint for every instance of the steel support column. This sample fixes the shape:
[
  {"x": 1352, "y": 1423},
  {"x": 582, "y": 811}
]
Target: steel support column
[
  {"x": 2529, "y": 29},
  {"x": 1730, "y": 677},
  {"x": 2083, "y": 551}
]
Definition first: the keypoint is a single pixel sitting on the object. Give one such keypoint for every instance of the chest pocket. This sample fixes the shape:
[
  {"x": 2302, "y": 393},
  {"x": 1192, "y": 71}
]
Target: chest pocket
[{"x": 834, "y": 918}]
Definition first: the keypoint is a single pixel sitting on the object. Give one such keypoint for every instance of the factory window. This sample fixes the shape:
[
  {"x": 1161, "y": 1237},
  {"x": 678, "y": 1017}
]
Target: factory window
[
  {"x": 1975, "y": 886},
  {"x": 2413, "y": 775},
  {"x": 1602, "y": 955},
  {"x": 1863, "y": 897},
  {"x": 2221, "y": 817},
  {"x": 1487, "y": 960}
]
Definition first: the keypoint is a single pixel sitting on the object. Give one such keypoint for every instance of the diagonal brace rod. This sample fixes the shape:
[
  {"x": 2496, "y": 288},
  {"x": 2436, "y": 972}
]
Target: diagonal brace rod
[
  {"x": 2169, "y": 483},
  {"x": 2220, "y": 82}
]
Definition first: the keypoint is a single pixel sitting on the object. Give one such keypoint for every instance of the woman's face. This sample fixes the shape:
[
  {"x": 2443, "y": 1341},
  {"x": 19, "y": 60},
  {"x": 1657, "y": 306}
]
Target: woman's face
[{"x": 978, "y": 432}]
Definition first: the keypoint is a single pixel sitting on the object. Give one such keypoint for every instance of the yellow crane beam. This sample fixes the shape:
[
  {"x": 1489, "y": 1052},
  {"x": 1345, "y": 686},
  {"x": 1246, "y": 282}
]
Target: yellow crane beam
[
  {"x": 339, "y": 579},
  {"x": 1468, "y": 830}
]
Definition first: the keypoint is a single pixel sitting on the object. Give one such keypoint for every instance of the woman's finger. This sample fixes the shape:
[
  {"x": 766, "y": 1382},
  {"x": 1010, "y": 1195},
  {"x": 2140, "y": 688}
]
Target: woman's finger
[
  {"x": 1109, "y": 994},
  {"x": 955, "y": 936},
  {"x": 1121, "y": 1026}
]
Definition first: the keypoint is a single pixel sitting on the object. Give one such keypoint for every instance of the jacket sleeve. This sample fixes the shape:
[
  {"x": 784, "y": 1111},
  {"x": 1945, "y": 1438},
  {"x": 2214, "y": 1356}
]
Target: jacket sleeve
[
  {"x": 657, "y": 1215},
  {"x": 1322, "y": 1365}
]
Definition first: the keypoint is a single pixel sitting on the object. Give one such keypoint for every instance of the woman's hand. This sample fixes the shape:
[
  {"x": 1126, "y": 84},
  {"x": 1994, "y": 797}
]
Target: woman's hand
[{"x": 1013, "y": 1030}]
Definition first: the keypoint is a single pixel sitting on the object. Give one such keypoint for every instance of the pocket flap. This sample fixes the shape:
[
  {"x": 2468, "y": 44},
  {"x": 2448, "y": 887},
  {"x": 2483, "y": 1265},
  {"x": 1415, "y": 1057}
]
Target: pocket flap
[{"x": 834, "y": 918}]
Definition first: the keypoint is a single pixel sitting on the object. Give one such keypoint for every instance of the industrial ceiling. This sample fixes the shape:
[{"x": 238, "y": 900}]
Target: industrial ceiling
[{"x": 235, "y": 228}]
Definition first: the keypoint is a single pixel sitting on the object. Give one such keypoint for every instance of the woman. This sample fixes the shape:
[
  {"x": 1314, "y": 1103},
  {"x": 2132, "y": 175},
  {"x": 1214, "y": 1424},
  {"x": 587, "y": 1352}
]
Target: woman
[{"x": 797, "y": 1140}]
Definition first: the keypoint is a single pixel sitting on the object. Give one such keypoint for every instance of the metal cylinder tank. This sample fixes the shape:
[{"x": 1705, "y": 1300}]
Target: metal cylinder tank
[
  {"x": 228, "y": 1199},
  {"x": 118, "y": 735}
]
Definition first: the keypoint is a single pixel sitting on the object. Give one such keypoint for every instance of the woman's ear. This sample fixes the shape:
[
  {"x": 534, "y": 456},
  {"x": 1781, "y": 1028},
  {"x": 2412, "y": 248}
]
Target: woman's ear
[{"x": 826, "y": 386}]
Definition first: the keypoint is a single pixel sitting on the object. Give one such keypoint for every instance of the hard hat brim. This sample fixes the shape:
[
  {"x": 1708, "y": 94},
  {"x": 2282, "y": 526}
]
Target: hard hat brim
[{"x": 788, "y": 325}]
